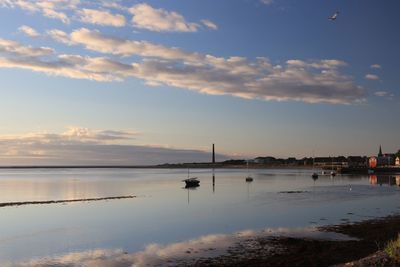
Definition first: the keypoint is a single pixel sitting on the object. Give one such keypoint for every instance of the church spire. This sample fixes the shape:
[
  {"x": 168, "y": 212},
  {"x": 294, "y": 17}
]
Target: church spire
[{"x": 380, "y": 151}]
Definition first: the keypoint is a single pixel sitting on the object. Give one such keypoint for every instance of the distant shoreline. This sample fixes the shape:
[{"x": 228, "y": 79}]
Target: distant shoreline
[{"x": 163, "y": 166}]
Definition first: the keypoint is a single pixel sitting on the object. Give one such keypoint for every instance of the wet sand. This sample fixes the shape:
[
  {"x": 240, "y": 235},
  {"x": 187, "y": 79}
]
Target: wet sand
[{"x": 372, "y": 236}]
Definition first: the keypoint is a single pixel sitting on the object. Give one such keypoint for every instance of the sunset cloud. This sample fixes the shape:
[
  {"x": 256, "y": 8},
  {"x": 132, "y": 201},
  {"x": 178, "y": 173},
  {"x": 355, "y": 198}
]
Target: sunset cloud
[
  {"x": 307, "y": 81},
  {"x": 84, "y": 146}
]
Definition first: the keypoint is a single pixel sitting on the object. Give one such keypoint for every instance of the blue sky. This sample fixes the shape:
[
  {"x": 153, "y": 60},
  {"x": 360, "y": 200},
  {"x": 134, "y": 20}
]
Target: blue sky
[{"x": 147, "y": 82}]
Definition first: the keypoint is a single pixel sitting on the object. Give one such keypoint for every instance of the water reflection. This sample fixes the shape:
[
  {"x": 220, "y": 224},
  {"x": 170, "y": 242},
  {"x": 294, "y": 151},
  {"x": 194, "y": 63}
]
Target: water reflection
[
  {"x": 184, "y": 253},
  {"x": 185, "y": 214},
  {"x": 384, "y": 180},
  {"x": 213, "y": 180}
]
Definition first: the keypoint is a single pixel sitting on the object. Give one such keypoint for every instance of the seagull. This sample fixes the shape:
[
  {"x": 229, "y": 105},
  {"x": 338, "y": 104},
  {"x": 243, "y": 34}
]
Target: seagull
[{"x": 334, "y": 16}]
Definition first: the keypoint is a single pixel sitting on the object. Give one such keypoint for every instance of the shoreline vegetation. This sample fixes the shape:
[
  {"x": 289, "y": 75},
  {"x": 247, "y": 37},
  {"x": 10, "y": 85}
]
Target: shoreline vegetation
[
  {"x": 23, "y": 203},
  {"x": 372, "y": 238}
]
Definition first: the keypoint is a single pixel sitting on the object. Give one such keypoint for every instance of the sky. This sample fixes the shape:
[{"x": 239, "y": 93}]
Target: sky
[{"x": 149, "y": 82}]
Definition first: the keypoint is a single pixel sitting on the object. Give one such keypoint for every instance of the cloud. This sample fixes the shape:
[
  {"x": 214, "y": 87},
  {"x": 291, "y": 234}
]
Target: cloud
[
  {"x": 13, "y": 48},
  {"x": 28, "y": 31},
  {"x": 51, "y": 9},
  {"x": 101, "y": 17},
  {"x": 267, "y": 2},
  {"x": 376, "y": 66},
  {"x": 372, "y": 77},
  {"x": 59, "y": 36},
  {"x": 209, "y": 24},
  {"x": 186, "y": 253},
  {"x": 160, "y": 20},
  {"x": 385, "y": 94},
  {"x": 95, "y": 41},
  {"x": 255, "y": 80},
  {"x": 72, "y": 66},
  {"x": 83, "y": 146},
  {"x": 381, "y": 93},
  {"x": 317, "y": 81}
]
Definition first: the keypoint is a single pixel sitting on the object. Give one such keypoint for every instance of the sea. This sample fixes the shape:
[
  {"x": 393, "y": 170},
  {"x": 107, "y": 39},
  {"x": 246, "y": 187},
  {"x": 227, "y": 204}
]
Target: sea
[{"x": 166, "y": 222}]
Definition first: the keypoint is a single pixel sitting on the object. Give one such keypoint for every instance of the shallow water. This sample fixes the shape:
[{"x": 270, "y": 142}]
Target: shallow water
[{"x": 164, "y": 213}]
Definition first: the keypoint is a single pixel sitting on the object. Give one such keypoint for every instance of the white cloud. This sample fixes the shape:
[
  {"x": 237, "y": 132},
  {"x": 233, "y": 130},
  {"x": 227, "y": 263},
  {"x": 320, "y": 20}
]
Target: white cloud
[
  {"x": 160, "y": 20},
  {"x": 72, "y": 66},
  {"x": 51, "y": 9},
  {"x": 29, "y": 31},
  {"x": 116, "y": 4},
  {"x": 376, "y": 66},
  {"x": 101, "y": 17},
  {"x": 59, "y": 36},
  {"x": 307, "y": 81},
  {"x": 209, "y": 24},
  {"x": 51, "y": 13},
  {"x": 94, "y": 40},
  {"x": 13, "y": 48},
  {"x": 372, "y": 77},
  {"x": 83, "y": 146},
  {"x": 267, "y": 2}
]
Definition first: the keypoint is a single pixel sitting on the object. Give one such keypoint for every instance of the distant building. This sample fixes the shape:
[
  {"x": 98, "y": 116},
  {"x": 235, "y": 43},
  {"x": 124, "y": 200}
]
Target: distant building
[
  {"x": 373, "y": 162},
  {"x": 382, "y": 160},
  {"x": 357, "y": 161},
  {"x": 397, "y": 162},
  {"x": 265, "y": 160}
]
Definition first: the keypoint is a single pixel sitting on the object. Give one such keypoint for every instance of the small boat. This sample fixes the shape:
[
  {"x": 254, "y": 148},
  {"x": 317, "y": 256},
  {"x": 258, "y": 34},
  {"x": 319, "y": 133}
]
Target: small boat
[
  {"x": 333, "y": 173},
  {"x": 315, "y": 174},
  {"x": 192, "y": 182},
  {"x": 248, "y": 178}
]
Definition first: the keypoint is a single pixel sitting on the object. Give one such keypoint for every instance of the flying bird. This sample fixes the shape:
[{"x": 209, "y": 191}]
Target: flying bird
[{"x": 334, "y": 16}]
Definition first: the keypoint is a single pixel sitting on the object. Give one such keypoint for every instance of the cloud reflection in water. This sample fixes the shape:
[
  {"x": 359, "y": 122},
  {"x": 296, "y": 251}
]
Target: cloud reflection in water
[{"x": 188, "y": 252}]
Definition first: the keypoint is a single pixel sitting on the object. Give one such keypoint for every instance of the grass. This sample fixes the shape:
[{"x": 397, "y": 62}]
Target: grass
[{"x": 393, "y": 249}]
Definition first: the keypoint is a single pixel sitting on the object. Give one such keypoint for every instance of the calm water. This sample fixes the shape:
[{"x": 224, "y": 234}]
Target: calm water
[{"x": 168, "y": 217}]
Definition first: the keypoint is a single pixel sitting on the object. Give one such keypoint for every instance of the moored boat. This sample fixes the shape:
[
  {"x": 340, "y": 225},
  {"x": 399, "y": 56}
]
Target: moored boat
[{"x": 192, "y": 182}]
